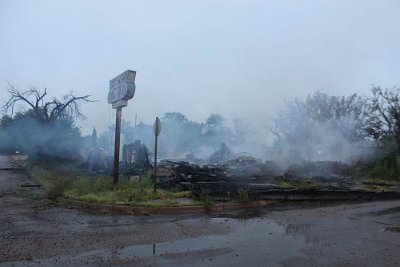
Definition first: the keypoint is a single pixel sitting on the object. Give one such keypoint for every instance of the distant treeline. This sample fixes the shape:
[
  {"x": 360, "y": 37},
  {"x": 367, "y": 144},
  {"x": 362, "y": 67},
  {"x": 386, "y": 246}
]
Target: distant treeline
[{"x": 319, "y": 127}]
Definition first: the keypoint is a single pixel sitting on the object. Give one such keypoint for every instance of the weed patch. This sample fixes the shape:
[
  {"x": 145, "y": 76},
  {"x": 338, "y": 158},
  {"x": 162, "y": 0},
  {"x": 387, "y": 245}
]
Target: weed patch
[
  {"x": 99, "y": 189},
  {"x": 242, "y": 196},
  {"x": 297, "y": 183}
]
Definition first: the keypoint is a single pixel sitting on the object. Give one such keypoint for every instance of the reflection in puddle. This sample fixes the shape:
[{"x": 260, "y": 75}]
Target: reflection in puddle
[
  {"x": 242, "y": 214},
  {"x": 387, "y": 211},
  {"x": 253, "y": 241},
  {"x": 300, "y": 231},
  {"x": 394, "y": 229}
]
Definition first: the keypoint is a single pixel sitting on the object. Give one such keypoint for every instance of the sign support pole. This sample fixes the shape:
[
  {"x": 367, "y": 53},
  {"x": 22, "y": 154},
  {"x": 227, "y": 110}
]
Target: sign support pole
[
  {"x": 157, "y": 130},
  {"x": 155, "y": 162},
  {"x": 122, "y": 88},
  {"x": 117, "y": 145}
]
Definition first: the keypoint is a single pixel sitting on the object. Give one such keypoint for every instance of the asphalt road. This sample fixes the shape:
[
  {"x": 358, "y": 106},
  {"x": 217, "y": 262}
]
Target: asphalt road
[{"x": 35, "y": 233}]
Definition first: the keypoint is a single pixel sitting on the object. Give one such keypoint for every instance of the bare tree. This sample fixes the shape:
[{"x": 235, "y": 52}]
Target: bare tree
[
  {"x": 49, "y": 111},
  {"x": 43, "y": 127},
  {"x": 384, "y": 114}
]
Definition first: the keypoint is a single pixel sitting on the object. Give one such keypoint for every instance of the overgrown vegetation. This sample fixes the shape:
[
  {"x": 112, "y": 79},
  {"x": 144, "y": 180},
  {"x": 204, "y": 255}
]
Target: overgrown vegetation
[
  {"x": 206, "y": 199},
  {"x": 242, "y": 196},
  {"x": 323, "y": 127},
  {"x": 382, "y": 165},
  {"x": 99, "y": 189},
  {"x": 299, "y": 183}
]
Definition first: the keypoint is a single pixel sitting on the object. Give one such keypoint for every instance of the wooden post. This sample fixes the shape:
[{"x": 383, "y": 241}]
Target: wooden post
[
  {"x": 122, "y": 88},
  {"x": 117, "y": 145}
]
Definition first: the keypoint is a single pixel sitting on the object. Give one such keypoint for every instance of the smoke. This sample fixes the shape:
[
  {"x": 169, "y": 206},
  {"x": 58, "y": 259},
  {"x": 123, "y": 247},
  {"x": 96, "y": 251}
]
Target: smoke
[
  {"x": 181, "y": 138},
  {"x": 319, "y": 128},
  {"x": 306, "y": 140},
  {"x": 322, "y": 142},
  {"x": 25, "y": 134}
]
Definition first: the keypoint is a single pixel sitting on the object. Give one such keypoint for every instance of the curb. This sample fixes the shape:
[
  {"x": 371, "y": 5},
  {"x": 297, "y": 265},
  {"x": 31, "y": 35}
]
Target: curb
[{"x": 110, "y": 208}]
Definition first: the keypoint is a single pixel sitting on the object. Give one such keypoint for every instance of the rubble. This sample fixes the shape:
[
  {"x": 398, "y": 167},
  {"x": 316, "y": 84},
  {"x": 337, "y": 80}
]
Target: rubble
[
  {"x": 225, "y": 175},
  {"x": 135, "y": 160},
  {"x": 258, "y": 178},
  {"x": 184, "y": 174}
]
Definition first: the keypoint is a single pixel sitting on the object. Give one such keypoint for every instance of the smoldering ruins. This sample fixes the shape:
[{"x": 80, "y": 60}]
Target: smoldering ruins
[
  {"x": 320, "y": 144},
  {"x": 317, "y": 145}
]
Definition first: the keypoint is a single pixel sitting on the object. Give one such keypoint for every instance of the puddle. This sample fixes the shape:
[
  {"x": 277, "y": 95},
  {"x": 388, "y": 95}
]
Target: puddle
[
  {"x": 253, "y": 242},
  {"x": 241, "y": 214},
  {"x": 300, "y": 231},
  {"x": 243, "y": 240},
  {"x": 387, "y": 211}
]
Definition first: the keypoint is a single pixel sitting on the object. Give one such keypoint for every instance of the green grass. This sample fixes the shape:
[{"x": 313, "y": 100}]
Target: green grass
[
  {"x": 384, "y": 170},
  {"x": 206, "y": 200},
  {"x": 243, "y": 196},
  {"x": 54, "y": 184},
  {"x": 99, "y": 189},
  {"x": 297, "y": 183}
]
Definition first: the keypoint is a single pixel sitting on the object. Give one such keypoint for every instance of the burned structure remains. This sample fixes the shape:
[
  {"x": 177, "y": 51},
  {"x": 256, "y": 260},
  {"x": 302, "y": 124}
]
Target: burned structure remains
[{"x": 223, "y": 178}]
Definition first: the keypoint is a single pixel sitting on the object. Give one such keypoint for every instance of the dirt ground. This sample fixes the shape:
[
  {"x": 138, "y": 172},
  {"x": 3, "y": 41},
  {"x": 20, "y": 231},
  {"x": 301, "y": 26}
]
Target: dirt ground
[{"x": 34, "y": 232}]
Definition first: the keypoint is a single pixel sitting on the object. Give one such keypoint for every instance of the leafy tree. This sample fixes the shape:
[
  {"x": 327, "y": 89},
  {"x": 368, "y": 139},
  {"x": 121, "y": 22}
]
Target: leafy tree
[
  {"x": 320, "y": 123},
  {"x": 384, "y": 115},
  {"x": 214, "y": 131},
  {"x": 5, "y": 121},
  {"x": 296, "y": 123},
  {"x": 214, "y": 123},
  {"x": 175, "y": 117},
  {"x": 179, "y": 134},
  {"x": 7, "y": 145},
  {"x": 240, "y": 131}
]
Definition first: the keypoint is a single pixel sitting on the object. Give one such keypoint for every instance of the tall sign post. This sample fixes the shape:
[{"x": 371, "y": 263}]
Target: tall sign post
[
  {"x": 122, "y": 88},
  {"x": 157, "y": 130}
]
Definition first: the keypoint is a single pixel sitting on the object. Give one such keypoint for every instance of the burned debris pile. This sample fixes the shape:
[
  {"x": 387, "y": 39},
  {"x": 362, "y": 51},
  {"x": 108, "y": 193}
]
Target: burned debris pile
[
  {"x": 323, "y": 180},
  {"x": 224, "y": 175},
  {"x": 135, "y": 160}
]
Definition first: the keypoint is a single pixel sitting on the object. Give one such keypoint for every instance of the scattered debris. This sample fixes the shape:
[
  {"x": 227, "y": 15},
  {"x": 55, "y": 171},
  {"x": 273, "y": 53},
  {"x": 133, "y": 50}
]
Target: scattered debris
[
  {"x": 394, "y": 229},
  {"x": 135, "y": 160},
  {"x": 226, "y": 176},
  {"x": 30, "y": 185}
]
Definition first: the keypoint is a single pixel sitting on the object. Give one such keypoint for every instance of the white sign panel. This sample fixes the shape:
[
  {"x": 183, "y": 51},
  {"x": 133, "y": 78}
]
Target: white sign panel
[{"x": 122, "y": 88}]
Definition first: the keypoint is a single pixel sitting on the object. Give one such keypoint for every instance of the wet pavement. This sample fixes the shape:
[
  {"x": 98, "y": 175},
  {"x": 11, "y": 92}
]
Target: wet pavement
[{"x": 35, "y": 233}]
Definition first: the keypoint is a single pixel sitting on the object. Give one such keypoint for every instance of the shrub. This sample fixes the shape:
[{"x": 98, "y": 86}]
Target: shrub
[
  {"x": 206, "y": 199},
  {"x": 57, "y": 187}
]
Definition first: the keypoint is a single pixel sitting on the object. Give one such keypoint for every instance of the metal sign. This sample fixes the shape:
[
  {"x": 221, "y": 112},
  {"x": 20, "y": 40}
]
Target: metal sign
[
  {"x": 122, "y": 88},
  {"x": 157, "y": 127}
]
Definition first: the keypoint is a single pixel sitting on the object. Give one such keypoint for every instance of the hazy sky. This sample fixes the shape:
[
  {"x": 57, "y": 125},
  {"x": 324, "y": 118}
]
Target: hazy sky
[{"x": 241, "y": 59}]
